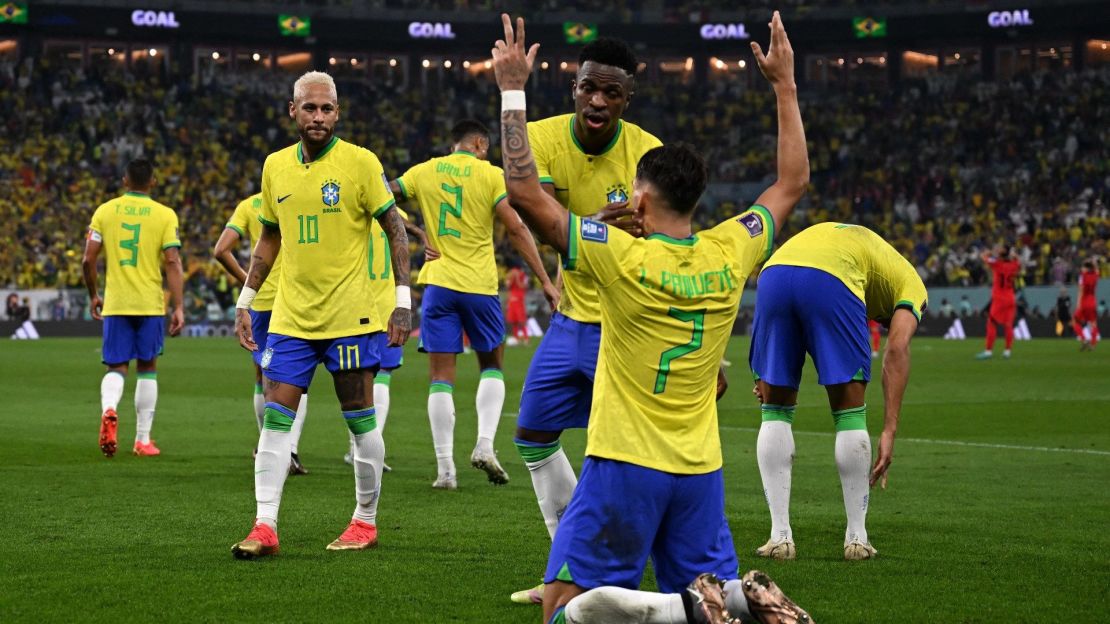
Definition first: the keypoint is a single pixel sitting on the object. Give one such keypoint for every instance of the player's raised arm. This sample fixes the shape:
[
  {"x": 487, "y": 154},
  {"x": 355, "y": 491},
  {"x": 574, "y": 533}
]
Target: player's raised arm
[
  {"x": 400, "y": 322},
  {"x": 896, "y": 374},
  {"x": 512, "y": 66},
  {"x": 228, "y": 240},
  {"x": 793, "y": 158},
  {"x": 262, "y": 260}
]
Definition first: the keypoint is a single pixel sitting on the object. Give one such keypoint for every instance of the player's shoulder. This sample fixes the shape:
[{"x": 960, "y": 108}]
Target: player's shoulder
[
  {"x": 636, "y": 136},
  {"x": 281, "y": 159},
  {"x": 551, "y": 127},
  {"x": 350, "y": 152}
]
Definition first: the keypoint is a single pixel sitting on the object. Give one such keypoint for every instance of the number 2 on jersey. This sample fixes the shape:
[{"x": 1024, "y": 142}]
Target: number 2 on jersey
[
  {"x": 131, "y": 244},
  {"x": 697, "y": 317},
  {"x": 445, "y": 208}
]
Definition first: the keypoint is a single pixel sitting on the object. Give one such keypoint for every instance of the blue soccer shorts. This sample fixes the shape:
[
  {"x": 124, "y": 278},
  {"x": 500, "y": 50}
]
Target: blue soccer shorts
[
  {"x": 622, "y": 513},
  {"x": 445, "y": 314},
  {"x": 559, "y": 387},
  {"x": 293, "y": 360},
  {"x": 129, "y": 338},
  {"x": 800, "y": 310},
  {"x": 260, "y": 330},
  {"x": 391, "y": 357}
]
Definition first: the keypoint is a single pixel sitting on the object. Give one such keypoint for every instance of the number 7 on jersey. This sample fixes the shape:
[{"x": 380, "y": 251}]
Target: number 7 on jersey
[{"x": 697, "y": 317}]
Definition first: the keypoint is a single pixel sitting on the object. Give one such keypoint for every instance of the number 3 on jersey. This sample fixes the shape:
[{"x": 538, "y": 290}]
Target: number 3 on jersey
[
  {"x": 697, "y": 317},
  {"x": 131, "y": 244},
  {"x": 455, "y": 194}
]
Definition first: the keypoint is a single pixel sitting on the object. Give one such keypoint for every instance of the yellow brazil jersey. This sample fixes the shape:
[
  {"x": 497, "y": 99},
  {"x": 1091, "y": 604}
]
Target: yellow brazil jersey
[
  {"x": 245, "y": 221},
  {"x": 667, "y": 309},
  {"x": 380, "y": 268},
  {"x": 860, "y": 258},
  {"x": 457, "y": 196},
  {"x": 584, "y": 184},
  {"x": 134, "y": 231},
  {"x": 324, "y": 209}
]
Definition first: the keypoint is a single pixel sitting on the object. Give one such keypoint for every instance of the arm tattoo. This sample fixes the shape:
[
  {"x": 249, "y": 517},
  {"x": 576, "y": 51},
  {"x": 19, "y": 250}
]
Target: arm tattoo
[
  {"x": 263, "y": 257},
  {"x": 394, "y": 227},
  {"x": 516, "y": 153},
  {"x": 259, "y": 270}
]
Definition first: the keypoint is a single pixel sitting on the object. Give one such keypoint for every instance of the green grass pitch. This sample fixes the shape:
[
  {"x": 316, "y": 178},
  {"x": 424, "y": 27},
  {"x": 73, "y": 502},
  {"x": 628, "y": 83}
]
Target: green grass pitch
[{"x": 998, "y": 508}]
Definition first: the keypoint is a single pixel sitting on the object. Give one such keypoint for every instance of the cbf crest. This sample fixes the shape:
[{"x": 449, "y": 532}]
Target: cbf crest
[
  {"x": 616, "y": 193},
  {"x": 330, "y": 193}
]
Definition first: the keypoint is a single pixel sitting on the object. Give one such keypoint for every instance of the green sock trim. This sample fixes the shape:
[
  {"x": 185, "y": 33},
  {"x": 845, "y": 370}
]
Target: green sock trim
[
  {"x": 564, "y": 574},
  {"x": 560, "y": 616},
  {"x": 492, "y": 373},
  {"x": 275, "y": 420},
  {"x": 383, "y": 378},
  {"x": 852, "y": 419},
  {"x": 755, "y": 375},
  {"x": 148, "y": 375},
  {"x": 441, "y": 386},
  {"x": 531, "y": 453},
  {"x": 783, "y": 413},
  {"x": 258, "y": 388},
  {"x": 361, "y": 421}
]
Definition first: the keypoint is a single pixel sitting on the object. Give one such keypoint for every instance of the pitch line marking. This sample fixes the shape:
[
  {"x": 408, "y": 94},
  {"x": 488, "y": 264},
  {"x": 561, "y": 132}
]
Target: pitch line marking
[{"x": 1012, "y": 447}]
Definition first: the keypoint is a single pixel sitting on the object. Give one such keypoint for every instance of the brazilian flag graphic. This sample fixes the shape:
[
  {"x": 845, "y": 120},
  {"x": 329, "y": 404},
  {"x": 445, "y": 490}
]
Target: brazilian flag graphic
[
  {"x": 578, "y": 32},
  {"x": 13, "y": 13},
  {"x": 865, "y": 27},
  {"x": 294, "y": 25}
]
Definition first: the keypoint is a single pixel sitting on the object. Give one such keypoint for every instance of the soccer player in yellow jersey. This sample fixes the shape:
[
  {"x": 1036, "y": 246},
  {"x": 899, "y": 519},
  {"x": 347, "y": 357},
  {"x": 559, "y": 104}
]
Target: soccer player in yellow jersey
[
  {"x": 138, "y": 236},
  {"x": 459, "y": 195},
  {"x": 585, "y": 160},
  {"x": 244, "y": 224},
  {"x": 652, "y": 482},
  {"x": 319, "y": 198},
  {"x": 816, "y": 295}
]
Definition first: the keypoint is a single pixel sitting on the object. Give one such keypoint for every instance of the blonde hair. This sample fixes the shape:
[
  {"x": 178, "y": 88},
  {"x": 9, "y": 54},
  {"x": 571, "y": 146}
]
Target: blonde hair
[{"x": 313, "y": 78}]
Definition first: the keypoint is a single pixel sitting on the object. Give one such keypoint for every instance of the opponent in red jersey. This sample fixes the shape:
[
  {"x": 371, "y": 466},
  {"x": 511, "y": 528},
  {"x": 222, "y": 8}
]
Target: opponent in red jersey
[
  {"x": 876, "y": 337},
  {"x": 1006, "y": 268},
  {"x": 516, "y": 316},
  {"x": 1085, "y": 321}
]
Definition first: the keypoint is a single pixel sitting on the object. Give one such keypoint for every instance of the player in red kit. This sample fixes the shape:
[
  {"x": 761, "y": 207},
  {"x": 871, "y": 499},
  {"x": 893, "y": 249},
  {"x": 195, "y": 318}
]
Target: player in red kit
[
  {"x": 1085, "y": 321},
  {"x": 516, "y": 316},
  {"x": 1006, "y": 269},
  {"x": 876, "y": 337}
]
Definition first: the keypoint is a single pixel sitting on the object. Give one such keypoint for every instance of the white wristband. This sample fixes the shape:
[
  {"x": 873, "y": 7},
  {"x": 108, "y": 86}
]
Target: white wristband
[
  {"x": 404, "y": 297},
  {"x": 246, "y": 298},
  {"x": 512, "y": 101}
]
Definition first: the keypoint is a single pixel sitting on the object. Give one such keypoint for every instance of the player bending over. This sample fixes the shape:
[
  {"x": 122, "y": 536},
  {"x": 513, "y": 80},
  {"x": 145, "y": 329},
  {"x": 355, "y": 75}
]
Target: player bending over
[
  {"x": 319, "y": 197},
  {"x": 461, "y": 193},
  {"x": 1005, "y": 268},
  {"x": 244, "y": 223},
  {"x": 816, "y": 295},
  {"x": 653, "y": 444},
  {"x": 138, "y": 235}
]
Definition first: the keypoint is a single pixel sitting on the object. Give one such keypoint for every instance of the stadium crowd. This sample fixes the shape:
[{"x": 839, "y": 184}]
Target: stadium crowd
[{"x": 941, "y": 167}]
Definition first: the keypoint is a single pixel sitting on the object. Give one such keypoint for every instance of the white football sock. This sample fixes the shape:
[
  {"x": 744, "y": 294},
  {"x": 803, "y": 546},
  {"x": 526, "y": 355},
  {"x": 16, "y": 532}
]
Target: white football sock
[
  {"x": 381, "y": 403},
  {"x": 617, "y": 604},
  {"x": 111, "y": 391},
  {"x": 774, "y": 449},
  {"x": 736, "y": 602},
  {"x": 554, "y": 481},
  {"x": 146, "y": 398},
  {"x": 298, "y": 424},
  {"x": 368, "y": 457},
  {"x": 441, "y": 415},
  {"x": 489, "y": 401},
  {"x": 853, "y": 461},
  {"x": 259, "y": 405},
  {"x": 271, "y": 466}
]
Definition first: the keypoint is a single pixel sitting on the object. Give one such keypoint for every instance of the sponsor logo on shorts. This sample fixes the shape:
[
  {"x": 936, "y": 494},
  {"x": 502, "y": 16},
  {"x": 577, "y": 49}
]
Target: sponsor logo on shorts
[
  {"x": 594, "y": 231},
  {"x": 267, "y": 355},
  {"x": 752, "y": 223}
]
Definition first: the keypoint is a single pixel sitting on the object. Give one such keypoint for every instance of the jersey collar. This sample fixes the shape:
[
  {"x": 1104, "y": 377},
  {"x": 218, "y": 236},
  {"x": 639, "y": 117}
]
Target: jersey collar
[
  {"x": 465, "y": 153},
  {"x": 612, "y": 142},
  {"x": 323, "y": 152},
  {"x": 135, "y": 194},
  {"x": 687, "y": 242}
]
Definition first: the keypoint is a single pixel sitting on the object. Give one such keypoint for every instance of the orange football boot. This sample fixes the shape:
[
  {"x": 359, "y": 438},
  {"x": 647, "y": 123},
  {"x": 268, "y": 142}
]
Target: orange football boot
[
  {"x": 147, "y": 450},
  {"x": 261, "y": 542},
  {"x": 358, "y": 536},
  {"x": 108, "y": 424}
]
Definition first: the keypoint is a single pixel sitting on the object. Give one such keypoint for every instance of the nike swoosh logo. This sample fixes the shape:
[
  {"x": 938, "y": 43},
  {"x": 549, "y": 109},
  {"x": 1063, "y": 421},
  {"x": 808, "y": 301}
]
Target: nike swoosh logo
[{"x": 281, "y": 199}]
